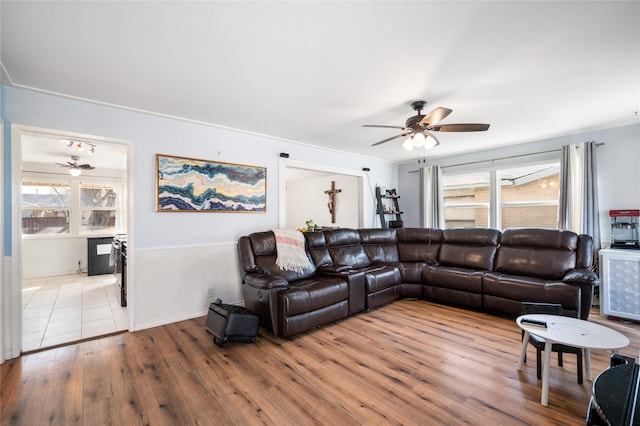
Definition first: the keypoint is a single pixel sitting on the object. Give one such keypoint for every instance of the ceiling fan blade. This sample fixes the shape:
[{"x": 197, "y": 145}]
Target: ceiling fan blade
[
  {"x": 390, "y": 139},
  {"x": 435, "y": 116},
  {"x": 386, "y": 127},
  {"x": 62, "y": 165},
  {"x": 86, "y": 166},
  {"x": 462, "y": 127}
]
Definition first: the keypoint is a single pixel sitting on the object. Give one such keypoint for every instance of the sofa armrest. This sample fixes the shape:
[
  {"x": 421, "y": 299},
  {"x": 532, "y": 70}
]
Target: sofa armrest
[
  {"x": 333, "y": 269},
  {"x": 580, "y": 277},
  {"x": 265, "y": 282},
  {"x": 586, "y": 280}
]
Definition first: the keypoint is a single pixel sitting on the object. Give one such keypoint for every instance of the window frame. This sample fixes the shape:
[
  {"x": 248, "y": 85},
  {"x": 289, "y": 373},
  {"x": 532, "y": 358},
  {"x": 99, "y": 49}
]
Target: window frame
[
  {"x": 75, "y": 210},
  {"x": 39, "y": 181},
  {"x": 493, "y": 167}
]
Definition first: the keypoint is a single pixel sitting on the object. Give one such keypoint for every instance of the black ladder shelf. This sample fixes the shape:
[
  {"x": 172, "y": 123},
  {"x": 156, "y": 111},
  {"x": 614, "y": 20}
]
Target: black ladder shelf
[{"x": 388, "y": 208}]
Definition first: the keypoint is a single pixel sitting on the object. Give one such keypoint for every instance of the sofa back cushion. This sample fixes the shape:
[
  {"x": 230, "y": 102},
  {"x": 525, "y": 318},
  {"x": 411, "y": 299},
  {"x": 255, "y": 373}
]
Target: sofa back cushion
[
  {"x": 542, "y": 253},
  {"x": 263, "y": 245},
  {"x": 317, "y": 248},
  {"x": 418, "y": 244},
  {"x": 473, "y": 248},
  {"x": 380, "y": 245},
  {"x": 345, "y": 248}
]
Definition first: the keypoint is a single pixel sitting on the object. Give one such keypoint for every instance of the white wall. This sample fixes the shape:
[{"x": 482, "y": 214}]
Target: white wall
[
  {"x": 306, "y": 200},
  {"x": 163, "y": 246},
  {"x": 618, "y": 170}
]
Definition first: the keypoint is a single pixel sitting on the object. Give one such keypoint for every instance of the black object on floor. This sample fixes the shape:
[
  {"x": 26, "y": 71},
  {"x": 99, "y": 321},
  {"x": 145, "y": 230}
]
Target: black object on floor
[{"x": 231, "y": 323}]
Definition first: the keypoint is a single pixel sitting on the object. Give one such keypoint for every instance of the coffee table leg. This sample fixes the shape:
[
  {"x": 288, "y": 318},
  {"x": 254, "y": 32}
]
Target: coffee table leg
[
  {"x": 587, "y": 363},
  {"x": 523, "y": 350},
  {"x": 545, "y": 373}
]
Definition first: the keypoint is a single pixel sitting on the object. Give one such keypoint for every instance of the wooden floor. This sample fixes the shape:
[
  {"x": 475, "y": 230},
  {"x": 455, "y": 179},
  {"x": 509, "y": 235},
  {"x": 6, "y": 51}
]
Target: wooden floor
[{"x": 410, "y": 362}]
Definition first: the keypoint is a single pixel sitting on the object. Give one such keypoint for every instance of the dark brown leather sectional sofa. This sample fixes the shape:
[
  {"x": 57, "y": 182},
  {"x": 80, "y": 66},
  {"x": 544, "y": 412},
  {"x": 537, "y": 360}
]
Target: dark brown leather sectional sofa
[{"x": 359, "y": 269}]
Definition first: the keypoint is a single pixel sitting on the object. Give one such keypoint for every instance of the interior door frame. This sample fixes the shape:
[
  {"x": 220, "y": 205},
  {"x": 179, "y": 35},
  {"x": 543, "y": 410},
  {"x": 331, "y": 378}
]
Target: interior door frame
[
  {"x": 297, "y": 164},
  {"x": 12, "y": 285}
]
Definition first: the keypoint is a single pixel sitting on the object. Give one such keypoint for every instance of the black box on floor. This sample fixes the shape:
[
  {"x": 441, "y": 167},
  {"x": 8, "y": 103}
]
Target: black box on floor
[{"x": 231, "y": 323}]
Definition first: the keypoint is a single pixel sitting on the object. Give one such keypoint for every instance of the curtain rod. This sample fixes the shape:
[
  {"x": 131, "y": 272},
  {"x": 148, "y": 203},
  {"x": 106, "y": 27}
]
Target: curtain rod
[
  {"x": 502, "y": 158},
  {"x": 493, "y": 159}
]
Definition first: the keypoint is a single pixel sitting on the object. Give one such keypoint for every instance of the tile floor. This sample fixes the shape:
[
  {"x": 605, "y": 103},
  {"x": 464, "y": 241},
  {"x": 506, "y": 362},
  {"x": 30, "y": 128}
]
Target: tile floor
[{"x": 57, "y": 310}]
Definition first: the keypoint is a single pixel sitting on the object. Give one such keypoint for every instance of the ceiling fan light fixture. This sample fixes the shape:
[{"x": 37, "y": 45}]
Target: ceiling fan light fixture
[
  {"x": 408, "y": 144},
  {"x": 419, "y": 139},
  {"x": 75, "y": 172},
  {"x": 431, "y": 141}
]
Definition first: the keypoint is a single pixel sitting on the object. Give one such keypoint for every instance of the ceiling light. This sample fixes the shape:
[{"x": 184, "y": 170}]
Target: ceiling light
[
  {"x": 69, "y": 143},
  {"x": 418, "y": 139},
  {"x": 75, "y": 172},
  {"x": 408, "y": 144},
  {"x": 426, "y": 140},
  {"x": 431, "y": 141}
]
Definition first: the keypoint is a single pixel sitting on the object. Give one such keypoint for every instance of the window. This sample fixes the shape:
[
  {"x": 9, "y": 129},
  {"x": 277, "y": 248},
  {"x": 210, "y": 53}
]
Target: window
[
  {"x": 466, "y": 200},
  {"x": 525, "y": 196},
  {"x": 98, "y": 208},
  {"x": 72, "y": 208},
  {"x": 45, "y": 208},
  {"x": 529, "y": 196}
]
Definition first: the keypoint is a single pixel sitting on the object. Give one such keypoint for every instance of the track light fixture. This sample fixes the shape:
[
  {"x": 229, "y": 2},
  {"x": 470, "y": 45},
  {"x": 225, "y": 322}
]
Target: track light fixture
[{"x": 80, "y": 146}]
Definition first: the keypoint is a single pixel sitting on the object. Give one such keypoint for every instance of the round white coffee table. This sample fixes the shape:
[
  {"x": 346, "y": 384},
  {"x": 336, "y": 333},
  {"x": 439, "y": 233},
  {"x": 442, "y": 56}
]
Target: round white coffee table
[{"x": 567, "y": 331}]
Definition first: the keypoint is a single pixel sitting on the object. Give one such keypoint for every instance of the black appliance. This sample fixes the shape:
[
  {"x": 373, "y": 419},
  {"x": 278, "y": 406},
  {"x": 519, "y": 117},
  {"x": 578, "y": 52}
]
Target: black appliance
[
  {"x": 119, "y": 256},
  {"x": 98, "y": 256}
]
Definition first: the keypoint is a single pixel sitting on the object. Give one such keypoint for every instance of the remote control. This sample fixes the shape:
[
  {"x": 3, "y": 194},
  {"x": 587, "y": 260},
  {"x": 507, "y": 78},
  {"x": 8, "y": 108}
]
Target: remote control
[{"x": 534, "y": 322}]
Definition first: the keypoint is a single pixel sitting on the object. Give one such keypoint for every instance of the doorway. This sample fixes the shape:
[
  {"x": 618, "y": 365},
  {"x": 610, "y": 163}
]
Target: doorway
[
  {"x": 72, "y": 192},
  {"x": 296, "y": 176}
]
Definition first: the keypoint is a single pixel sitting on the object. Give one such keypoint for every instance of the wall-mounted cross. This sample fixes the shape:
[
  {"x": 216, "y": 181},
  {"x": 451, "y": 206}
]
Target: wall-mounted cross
[{"x": 332, "y": 193}]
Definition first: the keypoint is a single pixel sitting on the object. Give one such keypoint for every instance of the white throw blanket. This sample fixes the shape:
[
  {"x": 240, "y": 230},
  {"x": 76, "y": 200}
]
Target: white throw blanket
[{"x": 290, "y": 250}]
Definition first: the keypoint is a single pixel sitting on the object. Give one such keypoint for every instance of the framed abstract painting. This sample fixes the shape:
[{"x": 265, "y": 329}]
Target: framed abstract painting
[{"x": 192, "y": 185}]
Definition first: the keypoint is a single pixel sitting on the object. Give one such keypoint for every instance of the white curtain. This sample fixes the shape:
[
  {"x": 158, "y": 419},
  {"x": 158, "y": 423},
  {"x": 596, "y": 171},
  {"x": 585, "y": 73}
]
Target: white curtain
[
  {"x": 578, "y": 209},
  {"x": 431, "y": 199}
]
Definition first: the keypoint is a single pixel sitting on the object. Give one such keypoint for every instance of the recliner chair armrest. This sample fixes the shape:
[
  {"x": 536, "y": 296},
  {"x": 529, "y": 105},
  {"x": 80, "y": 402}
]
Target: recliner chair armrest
[
  {"x": 586, "y": 280},
  {"x": 581, "y": 276},
  {"x": 265, "y": 282}
]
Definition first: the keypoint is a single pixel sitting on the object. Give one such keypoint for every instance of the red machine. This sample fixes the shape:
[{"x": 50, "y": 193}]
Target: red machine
[{"x": 624, "y": 229}]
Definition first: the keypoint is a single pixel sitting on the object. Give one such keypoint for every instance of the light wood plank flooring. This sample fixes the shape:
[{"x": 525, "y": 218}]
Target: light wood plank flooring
[{"x": 410, "y": 362}]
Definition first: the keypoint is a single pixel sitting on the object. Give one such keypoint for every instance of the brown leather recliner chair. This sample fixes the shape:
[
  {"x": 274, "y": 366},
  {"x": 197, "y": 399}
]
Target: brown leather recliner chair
[
  {"x": 534, "y": 265},
  {"x": 287, "y": 302}
]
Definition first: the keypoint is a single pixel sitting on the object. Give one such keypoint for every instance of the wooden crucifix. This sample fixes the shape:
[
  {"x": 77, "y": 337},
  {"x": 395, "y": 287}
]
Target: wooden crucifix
[{"x": 332, "y": 193}]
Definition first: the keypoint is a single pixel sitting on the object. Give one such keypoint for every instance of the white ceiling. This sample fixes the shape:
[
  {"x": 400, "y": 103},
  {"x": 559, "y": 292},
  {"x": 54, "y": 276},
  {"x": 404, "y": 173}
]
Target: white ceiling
[{"x": 314, "y": 72}]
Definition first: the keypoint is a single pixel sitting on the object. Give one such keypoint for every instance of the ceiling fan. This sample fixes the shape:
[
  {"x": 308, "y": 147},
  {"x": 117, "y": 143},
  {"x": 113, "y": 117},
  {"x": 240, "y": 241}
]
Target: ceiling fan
[
  {"x": 419, "y": 127},
  {"x": 74, "y": 168}
]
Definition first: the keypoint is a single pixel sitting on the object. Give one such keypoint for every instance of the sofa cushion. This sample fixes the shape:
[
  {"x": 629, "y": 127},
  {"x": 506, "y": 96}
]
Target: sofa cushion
[
  {"x": 345, "y": 248},
  {"x": 463, "y": 279},
  {"x": 418, "y": 244},
  {"x": 380, "y": 245},
  {"x": 382, "y": 285},
  {"x": 317, "y": 248},
  {"x": 265, "y": 254},
  {"x": 473, "y": 248},
  {"x": 382, "y": 278},
  {"x": 500, "y": 288},
  {"x": 311, "y": 294},
  {"x": 541, "y": 253}
]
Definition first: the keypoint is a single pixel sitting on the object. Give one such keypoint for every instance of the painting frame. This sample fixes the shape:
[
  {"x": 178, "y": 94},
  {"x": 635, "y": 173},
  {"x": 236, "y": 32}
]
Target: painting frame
[{"x": 185, "y": 184}]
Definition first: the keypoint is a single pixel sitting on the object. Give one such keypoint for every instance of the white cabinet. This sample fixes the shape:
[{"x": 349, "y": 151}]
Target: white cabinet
[{"x": 620, "y": 283}]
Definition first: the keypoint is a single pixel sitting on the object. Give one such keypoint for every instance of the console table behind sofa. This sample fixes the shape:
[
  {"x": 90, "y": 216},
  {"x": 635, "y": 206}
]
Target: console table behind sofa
[{"x": 359, "y": 269}]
